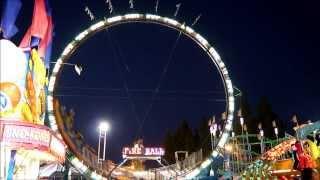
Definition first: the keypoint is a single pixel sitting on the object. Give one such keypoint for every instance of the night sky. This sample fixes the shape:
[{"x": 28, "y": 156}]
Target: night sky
[{"x": 270, "y": 48}]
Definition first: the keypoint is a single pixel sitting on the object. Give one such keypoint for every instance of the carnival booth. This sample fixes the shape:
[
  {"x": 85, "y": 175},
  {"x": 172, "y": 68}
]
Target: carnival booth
[{"x": 25, "y": 141}]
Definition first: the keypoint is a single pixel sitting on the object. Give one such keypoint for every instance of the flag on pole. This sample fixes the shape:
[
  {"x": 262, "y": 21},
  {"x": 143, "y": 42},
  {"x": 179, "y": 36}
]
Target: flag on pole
[
  {"x": 9, "y": 15},
  {"x": 39, "y": 26},
  {"x": 40, "y": 33},
  {"x": 46, "y": 43},
  {"x": 39, "y": 20},
  {"x": 45, "y": 46}
]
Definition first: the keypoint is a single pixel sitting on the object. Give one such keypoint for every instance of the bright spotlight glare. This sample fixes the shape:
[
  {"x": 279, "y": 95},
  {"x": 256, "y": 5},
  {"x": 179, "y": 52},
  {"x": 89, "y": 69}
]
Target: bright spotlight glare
[{"x": 104, "y": 126}]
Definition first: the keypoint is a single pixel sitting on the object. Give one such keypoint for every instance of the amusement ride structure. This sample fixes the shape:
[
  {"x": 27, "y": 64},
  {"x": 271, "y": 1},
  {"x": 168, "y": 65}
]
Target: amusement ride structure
[
  {"x": 55, "y": 144},
  {"x": 182, "y": 28}
]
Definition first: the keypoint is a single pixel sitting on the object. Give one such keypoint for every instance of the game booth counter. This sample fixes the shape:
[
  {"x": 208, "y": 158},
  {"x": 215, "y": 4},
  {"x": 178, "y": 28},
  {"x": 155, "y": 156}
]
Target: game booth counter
[
  {"x": 24, "y": 147},
  {"x": 25, "y": 142}
]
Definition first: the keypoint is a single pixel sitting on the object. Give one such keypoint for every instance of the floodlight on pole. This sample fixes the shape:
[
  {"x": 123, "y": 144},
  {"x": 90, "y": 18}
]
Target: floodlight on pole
[
  {"x": 241, "y": 121},
  {"x": 261, "y": 140},
  {"x": 78, "y": 68},
  {"x": 276, "y": 132},
  {"x": 103, "y": 127}
]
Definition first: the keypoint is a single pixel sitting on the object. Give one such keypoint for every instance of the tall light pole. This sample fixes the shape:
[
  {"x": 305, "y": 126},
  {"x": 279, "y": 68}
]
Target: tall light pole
[
  {"x": 261, "y": 133},
  {"x": 276, "y": 132},
  {"x": 247, "y": 139},
  {"x": 103, "y": 128},
  {"x": 213, "y": 131}
]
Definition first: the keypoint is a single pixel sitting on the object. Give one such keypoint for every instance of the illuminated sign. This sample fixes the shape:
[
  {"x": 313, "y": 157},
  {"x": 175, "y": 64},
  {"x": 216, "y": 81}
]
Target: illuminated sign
[
  {"x": 142, "y": 151},
  {"x": 30, "y": 136},
  {"x": 24, "y": 134}
]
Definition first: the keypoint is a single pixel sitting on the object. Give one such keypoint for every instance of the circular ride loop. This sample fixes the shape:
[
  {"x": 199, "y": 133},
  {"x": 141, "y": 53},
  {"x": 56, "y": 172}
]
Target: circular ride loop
[{"x": 153, "y": 19}]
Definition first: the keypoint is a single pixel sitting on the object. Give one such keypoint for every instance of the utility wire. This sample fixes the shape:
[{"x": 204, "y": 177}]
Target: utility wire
[
  {"x": 142, "y": 99},
  {"x": 156, "y": 90},
  {"x": 140, "y": 90},
  {"x": 122, "y": 74}
]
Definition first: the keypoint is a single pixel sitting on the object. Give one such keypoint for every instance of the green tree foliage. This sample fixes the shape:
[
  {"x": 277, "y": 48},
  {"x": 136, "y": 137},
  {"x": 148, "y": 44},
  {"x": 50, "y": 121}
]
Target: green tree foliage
[{"x": 185, "y": 139}]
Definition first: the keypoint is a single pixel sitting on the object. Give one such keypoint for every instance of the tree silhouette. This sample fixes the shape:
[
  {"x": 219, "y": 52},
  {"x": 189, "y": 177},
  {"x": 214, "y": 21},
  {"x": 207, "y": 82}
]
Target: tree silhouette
[
  {"x": 265, "y": 115},
  {"x": 169, "y": 147}
]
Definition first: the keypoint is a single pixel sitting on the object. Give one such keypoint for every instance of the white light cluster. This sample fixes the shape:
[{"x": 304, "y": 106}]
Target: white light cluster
[
  {"x": 79, "y": 165},
  {"x": 229, "y": 87},
  {"x": 206, "y": 163},
  {"x": 241, "y": 121},
  {"x": 228, "y": 126},
  {"x": 189, "y": 30},
  {"x": 202, "y": 40},
  {"x": 153, "y": 17},
  {"x": 183, "y": 26},
  {"x": 53, "y": 126},
  {"x": 132, "y": 16},
  {"x": 224, "y": 71},
  {"x": 230, "y": 117},
  {"x": 170, "y": 21},
  {"x": 95, "y": 176},
  {"x": 223, "y": 139},
  {"x": 221, "y": 65},
  {"x": 68, "y": 49},
  {"x": 56, "y": 68},
  {"x": 114, "y": 19},
  {"x": 50, "y": 105},
  {"x": 97, "y": 25},
  {"x": 215, "y": 153},
  {"x": 231, "y": 105},
  {"x": 51, "y": 118},
  {"x": 80, "y": 36},
  {"x": 52, "y": 83},
  {"x": 215, "y": 55}
]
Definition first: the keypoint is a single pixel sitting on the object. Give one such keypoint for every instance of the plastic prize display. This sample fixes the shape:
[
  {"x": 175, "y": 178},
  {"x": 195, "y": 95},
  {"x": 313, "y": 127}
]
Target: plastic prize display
[{"x": 153, "y": 19}]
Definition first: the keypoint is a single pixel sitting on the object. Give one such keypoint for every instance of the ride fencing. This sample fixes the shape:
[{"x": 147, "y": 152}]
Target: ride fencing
[{"x": 180, "y": 168}]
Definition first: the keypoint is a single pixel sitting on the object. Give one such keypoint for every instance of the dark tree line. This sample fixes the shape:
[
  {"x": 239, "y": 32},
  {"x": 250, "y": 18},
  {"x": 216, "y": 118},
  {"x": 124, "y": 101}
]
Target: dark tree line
[
  {"x": 184, "y": 138},
  {"x": 263, "y": 114}
]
